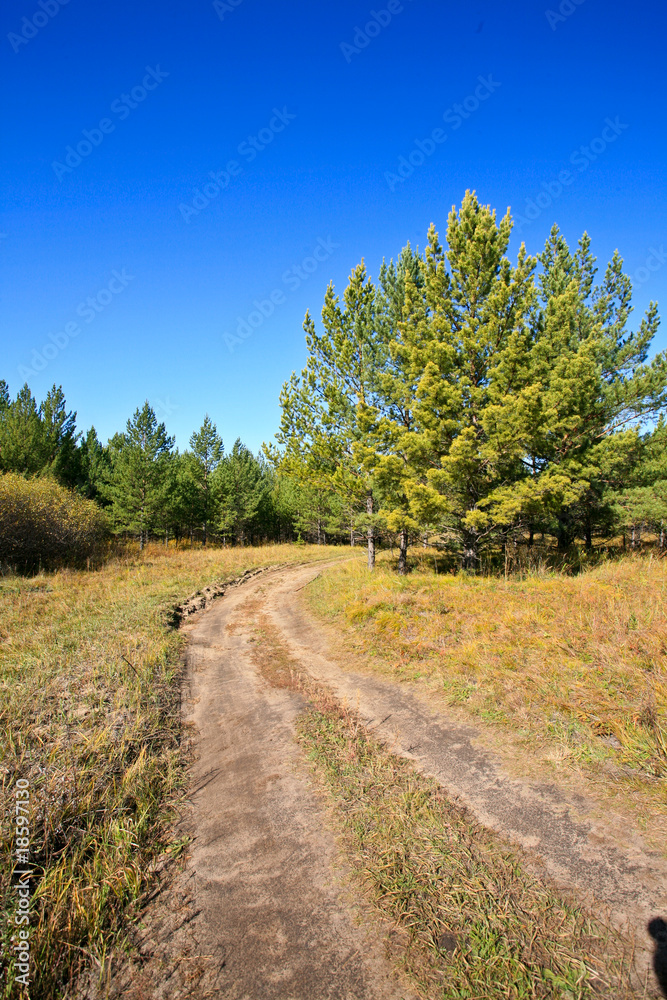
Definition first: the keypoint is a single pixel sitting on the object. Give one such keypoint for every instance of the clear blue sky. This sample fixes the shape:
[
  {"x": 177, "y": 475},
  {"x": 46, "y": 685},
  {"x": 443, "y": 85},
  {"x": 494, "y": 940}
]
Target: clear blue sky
[{"x": 331, "y": 119}]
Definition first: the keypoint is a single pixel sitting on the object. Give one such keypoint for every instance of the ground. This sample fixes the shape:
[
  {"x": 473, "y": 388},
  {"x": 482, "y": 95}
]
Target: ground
[{"x": 272, "y": 899}]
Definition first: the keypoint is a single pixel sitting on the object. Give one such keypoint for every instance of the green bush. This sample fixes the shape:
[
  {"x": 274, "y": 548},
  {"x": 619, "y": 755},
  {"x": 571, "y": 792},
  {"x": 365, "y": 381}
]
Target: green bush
[{"x": 44, "y": 525}]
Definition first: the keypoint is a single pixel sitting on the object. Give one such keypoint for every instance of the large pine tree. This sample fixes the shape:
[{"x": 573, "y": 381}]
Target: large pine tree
[{"x": 474, "y": 401}]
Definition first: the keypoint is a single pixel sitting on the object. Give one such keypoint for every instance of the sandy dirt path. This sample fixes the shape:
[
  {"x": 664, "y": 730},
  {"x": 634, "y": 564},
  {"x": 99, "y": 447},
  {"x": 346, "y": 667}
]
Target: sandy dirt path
[
  {"x": 260, "y": 911},
  {"x": 272, "y": 920}
]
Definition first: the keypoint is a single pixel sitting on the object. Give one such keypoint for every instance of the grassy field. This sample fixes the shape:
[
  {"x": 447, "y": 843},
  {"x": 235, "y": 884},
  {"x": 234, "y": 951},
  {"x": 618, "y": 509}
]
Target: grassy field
[
  {"x": 572, "y": 667},
  {"x": 90, "y": 716}
]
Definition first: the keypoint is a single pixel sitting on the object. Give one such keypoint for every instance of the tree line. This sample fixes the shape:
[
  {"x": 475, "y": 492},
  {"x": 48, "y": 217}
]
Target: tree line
[
  {"x": 480, "y": 402},
  {"x": 146, "y": 487}
]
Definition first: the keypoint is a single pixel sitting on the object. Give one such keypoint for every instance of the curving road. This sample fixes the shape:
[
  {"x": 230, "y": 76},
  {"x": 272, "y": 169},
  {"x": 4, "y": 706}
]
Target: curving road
[{"x": 267, "y": 916}]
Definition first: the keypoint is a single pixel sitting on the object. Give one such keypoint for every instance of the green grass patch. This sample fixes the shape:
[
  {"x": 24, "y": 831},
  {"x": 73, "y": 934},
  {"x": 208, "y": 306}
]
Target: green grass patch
[{"x": 469, "y": 921}]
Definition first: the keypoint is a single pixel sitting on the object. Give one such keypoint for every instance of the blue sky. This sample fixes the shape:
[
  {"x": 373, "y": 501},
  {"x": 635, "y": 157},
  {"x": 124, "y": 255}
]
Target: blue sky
[{"x": 298, "y": 123}]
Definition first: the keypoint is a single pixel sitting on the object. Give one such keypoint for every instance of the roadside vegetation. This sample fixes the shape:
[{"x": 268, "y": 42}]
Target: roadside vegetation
[
  {"x": 462, "y": 916},
  {"x": 43, "y": 525},
  {"x": 468, "y": 919},
  {"x": 572, "y": 666},
  {"x": 90, "y": 715}
]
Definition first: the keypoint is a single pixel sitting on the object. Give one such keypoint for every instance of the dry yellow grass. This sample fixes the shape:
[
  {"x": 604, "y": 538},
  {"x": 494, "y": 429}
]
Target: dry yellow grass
[
  {"x": 90, "y": 716},
  {"x": 574, "y": 665}
]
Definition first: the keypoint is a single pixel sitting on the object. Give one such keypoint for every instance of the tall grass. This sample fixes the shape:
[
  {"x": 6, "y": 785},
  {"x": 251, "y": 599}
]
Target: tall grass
[
  {"x": 576, "y": 665},
  {"x": 90, "y": 715}
]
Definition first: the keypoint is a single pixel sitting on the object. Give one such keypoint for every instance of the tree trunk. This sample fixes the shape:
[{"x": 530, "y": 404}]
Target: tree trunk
[
  {"x": 589, "y": 537},
  {"x": 352, "y": 537},
  {"x": 205, "y": 533},
  {"x": 564, "y": 536},
  {"x": 403, "y": 552},
  {"x": 371, "y": 534},
  {"x": 166, "y": 539},
  {"x": 469, "y": 554},
  {"x": 530, "y": 538},
  {"x": 662, "y": 536},
  {"x": 319, "y": 532}
]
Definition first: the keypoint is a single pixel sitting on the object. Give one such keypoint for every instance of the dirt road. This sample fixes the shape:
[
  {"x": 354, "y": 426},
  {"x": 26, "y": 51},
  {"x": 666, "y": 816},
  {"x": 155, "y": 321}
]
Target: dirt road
[
  {"x": 263, "y": 913},
  {"x": 273, "y": 920}
]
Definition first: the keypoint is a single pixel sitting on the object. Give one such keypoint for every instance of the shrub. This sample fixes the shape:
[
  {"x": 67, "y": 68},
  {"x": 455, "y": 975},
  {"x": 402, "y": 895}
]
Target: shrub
[{"x": 42, "y": 524}]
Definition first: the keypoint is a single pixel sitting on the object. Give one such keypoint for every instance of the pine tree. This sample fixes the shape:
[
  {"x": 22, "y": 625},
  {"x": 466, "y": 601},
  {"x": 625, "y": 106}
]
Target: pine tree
[
  {"x": 93, "y": 466},
  {"x": 472, "y": 401},
  {"x": 589, "y": 382},
  {"x": 38, "y": 440},
  {"x": 241, "y": 486},
  {"x": 391, "y": 448},
  {"x": 21, "y": 435},
  {"x": 207, "y": 451},
  {"x": 137, "y": 484},
  {"x": 59, "y": 438},
  {"x": 325, "y": 409},
  {"x": 183, "y": 504},
  {"x": 640, "y": 495}
]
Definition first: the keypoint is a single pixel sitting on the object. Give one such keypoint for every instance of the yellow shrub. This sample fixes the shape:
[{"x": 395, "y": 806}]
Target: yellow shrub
[{"x": 42, "y": 524}]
